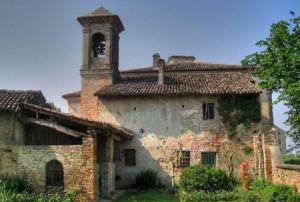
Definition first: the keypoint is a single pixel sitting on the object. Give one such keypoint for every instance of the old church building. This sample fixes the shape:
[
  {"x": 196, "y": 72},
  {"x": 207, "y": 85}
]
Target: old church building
[{"x": 172, "y": 114}]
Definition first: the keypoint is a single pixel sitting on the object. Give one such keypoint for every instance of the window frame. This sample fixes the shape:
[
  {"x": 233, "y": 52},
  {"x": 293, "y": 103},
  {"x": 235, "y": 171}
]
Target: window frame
[
  {"x": 54, "y": 174},
  {"x": 129, "y": 157},
  {"x": 184, "y": 160},
  {"x": 205, "y": 155},
  {"x": 208, "y": 111}
]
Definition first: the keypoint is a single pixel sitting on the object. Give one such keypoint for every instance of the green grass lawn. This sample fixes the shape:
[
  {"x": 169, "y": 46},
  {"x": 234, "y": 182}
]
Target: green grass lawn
[
  {"x": 291, "y": 159},
  {"x": 149, "y": 196}
]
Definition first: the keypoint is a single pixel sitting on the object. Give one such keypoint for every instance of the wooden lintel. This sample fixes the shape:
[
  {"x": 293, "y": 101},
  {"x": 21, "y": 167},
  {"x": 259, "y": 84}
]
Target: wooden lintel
[{"x": 54, "y": 126}]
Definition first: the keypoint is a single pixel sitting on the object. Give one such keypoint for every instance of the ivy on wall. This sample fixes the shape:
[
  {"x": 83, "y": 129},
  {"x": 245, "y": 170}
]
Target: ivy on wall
[{"x": 239, "y": 109}]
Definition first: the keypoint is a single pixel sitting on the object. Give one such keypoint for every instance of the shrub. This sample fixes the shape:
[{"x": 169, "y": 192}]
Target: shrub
[
  {"x": 279, "y": 192},
  {"x": 204, "y": 178},
  {"x": 258, "y": 185},
  {"x": 15, "y": 183},
  {"x": 205, "y": 196},
  {"x": 293, "y": 198},
  {"x": 147, "y": 179},
  {"x": 251, "y": 196}
]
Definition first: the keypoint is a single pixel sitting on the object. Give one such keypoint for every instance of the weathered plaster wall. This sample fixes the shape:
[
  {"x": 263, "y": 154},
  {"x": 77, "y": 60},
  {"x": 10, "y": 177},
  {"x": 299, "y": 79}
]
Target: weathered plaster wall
[
  {"x": 11, "y": 131},
  {"x": 163, "y": 116},
  {"x": 74, "y": 106},
  {"x": 11, "y": 135},
  {"x": 163, "y": 124}
]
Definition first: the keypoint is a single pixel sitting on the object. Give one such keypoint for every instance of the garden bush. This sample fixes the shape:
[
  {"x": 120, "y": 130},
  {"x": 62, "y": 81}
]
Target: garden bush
[
  {"x": 147, "y": 179},
  {"x": 279, "y": 192},
  {"x": 205, "y": 178},
  {"x": 17, "y": 188},
  {"x": 15, "y": 183}
]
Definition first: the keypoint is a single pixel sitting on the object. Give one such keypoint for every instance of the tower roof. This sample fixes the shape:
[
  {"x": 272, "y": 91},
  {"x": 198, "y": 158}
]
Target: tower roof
[
  {"x": 99, "y": 12},
  {"x": 101, "y": 15}
]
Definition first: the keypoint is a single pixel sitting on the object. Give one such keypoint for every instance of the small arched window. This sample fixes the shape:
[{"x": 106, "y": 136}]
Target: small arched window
[
  {"x": 98, "y": 45},
  {"x": 54, "y": 173}
]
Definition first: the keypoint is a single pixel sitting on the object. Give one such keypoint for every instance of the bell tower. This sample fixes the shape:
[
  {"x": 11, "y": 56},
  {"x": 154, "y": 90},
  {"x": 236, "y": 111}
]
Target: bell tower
[{"x": 100, "y": 56}]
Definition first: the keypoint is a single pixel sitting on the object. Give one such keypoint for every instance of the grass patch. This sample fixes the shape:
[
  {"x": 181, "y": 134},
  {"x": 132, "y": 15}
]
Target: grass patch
[
  {"x": 149, "y": 196},
  {"x": 291, "y": 159}
]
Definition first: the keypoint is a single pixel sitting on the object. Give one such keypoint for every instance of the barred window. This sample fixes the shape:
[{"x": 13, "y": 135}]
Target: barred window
[
  {"x": 208, "y": 158},
  {"x": 183, "y": 159},
  {"x": 208, "y": 111},
  {"x": 129, "y": 155},
  {"x": 54, "y": 173}
]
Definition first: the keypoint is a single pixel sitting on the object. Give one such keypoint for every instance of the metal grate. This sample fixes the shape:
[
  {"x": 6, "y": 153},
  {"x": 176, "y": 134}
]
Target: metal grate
[
  {"x": 208, "y": 158},
  {"x": 54, "y": 173},
  {"x": 129, "y": 155},
  {"x": 183, "y": 159}
]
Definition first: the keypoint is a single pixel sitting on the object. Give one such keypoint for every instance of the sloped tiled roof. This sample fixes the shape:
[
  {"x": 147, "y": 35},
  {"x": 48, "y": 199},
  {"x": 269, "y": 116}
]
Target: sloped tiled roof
[
  {"x": 10, "y": 99},
  {"x": 74, "y": 94},
  {"x": 184, "y": 84},
  {"x": 118, "y": 130},
  {"x": 192, "y": 66}
]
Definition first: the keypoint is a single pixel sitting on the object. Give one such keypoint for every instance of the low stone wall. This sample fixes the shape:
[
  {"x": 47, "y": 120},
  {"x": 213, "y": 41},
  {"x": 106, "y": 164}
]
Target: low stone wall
[
  {"x": 284, "y": 173},
  {"x": 32, "y": 160}
]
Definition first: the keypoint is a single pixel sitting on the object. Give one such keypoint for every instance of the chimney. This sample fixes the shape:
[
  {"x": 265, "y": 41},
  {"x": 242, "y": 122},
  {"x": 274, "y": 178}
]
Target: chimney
[
  {"x": 156, "y": 57},
  {"x": 175, "y": 59},
  {"x": 161, "y": 66}
]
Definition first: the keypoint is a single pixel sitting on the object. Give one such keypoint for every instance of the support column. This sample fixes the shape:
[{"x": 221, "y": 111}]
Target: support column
[
  {"x": 267, "y": 141},
  {"x": 108, "y": 169},
  {"x": 89, "y": 184}
]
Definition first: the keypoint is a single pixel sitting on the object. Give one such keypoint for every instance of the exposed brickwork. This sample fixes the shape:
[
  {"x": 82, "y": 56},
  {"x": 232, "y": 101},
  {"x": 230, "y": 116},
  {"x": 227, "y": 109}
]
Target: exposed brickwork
[
  {"x": 89, "y": 164},
  {"x": 78, "y": 164},
  {"x": 33, "y": 159}
]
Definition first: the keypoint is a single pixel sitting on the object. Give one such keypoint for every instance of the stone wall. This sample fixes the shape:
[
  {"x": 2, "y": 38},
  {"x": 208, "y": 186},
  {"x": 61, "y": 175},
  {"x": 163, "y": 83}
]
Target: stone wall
[{"x": 284, "y": 173}]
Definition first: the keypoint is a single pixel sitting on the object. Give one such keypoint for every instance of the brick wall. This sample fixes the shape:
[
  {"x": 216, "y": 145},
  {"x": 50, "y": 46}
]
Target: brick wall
[{"x": 78, "y": 163}]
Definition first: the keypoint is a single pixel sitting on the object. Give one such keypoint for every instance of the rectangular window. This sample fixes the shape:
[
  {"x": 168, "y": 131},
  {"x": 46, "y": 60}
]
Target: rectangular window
[
  {"x": 129, "y": 155},
  {"x": 208, "y": 158},
  {"x": 208, "y": 111},
  {"x": 183, "y": 159}
]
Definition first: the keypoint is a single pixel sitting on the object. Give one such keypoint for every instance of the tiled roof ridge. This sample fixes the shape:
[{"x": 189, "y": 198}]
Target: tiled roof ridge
[{"x": 194, "y": 66}]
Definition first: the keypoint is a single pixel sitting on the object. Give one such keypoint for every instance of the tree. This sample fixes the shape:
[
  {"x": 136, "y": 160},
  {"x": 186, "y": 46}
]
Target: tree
[
  {"x": 51, "y": 105},
  {"x": 278, "y": 67}
]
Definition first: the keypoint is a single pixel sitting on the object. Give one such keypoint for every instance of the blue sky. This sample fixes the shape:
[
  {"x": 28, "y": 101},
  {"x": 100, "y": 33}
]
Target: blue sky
[{"x": 41, "y": 41}]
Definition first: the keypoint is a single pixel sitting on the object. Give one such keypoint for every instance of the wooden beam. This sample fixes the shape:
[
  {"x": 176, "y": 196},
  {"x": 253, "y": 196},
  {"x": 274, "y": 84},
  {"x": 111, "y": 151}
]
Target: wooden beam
[{"x": 54, "y": 126}]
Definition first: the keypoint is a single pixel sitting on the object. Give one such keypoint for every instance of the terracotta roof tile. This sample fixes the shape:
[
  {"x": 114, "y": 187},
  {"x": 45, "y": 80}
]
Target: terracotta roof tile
[
  {"x": 74, "y": 94},
  {"x": 184, "y": 84},
  {"x": 10, "y": 99}
]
